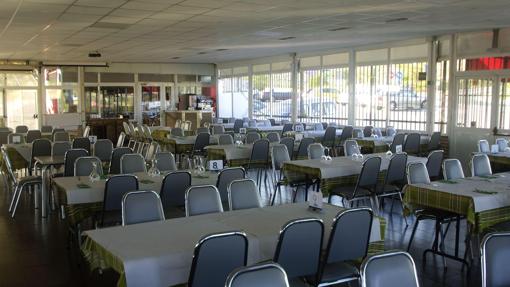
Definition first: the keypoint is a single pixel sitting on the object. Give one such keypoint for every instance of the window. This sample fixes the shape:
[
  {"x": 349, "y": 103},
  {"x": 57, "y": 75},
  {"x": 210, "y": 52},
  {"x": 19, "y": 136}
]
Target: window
[
  {"x": 233, "y": 93},
  {"x": 474, "y": 103},
  {"x": 441, "y": 103},
  {"x": 61, "y": 101},
  {"x": 240, "y": 96},
  {"x": 225, "y": 97},
  {"x": 504, "y": 104},
  {"x": 91, "y": 101},
  {"x": 272, "y": 91},
  {"x": 371, "y": 98},
  {"x": 118, "y": 101}
]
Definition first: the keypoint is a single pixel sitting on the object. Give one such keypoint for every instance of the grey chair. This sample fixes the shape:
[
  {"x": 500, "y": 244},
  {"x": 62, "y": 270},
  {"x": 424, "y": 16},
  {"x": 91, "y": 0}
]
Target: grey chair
[
  {"x": 60, "y": 148},
  {"x": 115, "y": 159},
  {"x": 60, "y": 136},
  {"x": 417, "y": 173},
  {"x": 202, "y": 200},
  {"x": 40, "y": 147},
  {"x": 140, "y": 207},
  {"x": 165, "y": 161},
  {"x": 21, "y": 129},
  {"x": 86, "y": 132},
  {"x": 389, "y": 269},
  {"x": 318, "y": 127},
  {"x": 368, "y": 131},
  {"x": 177, "y": 132},
  {"x": 259, "y": 159},
  {"x": 348, "y": 242},
  {"x": 357, "y": 133},
  {"x": 103, "y": 149},
  {"x": 70, "y": 158},
  {"x": 480, "y": 165},
  {"x": 173, "y": 189},
  {"x": 378, "y": 133},
  {"x": 115, "y": 189},
  {"x": 4, "y": 135},
  {"x": 502, "y": 144},
  {"x": 434, "y": 162},
  {"x": 20, "y": 183},
  {"x": 131, "y": 163},
  {"x": 225, "y": 177},
  {"x": 302, "y": 152},
  {"x": 251, "y": 137},
  {"x": 366, "y": 184},
  {"x": 202, "y": 130},
  {"x": 152, "y": 149},
  {"x": 83, "y": 166},
  {"x": 14, "y": 138},
  {"x": 394, "y": 180},
  {"x": 452, "y": 169},
  {"x": 279, "y": 155},
  {"x": 412, "y": 143},
  {"x": 495, "y": 251},
  {"x": 225, "y": 139},
  {"x": 289, "y": 143},
  {"x": 121, "y": 139},
  {"x": 434, "y": 142},
  {"x": 243, "y": 194},
  {"x": 483, "y": 146},
  {"x": 216, "y": 256},
  {"x": 273, "y": 137},
  {"x": 391, "y": 131},
  {"x": 263, "y": 274},
  {"x": 299, "y": 249},
  {"x": 238, "y": 124},
  {"x": 252, "y": 123},
  {"x": 83, "y": 143},
  {"x": 351, "y": 147},
  {"x": 201, "y": 142},
  {"x": 46, "y": 129},
  {"x": 33, "y": 135},
  {"x": 398, "y": 140},
  {"x": 218, "y": 129},
  {"x": 288, "y": 127},
  {"x": 315, "y": 151}
]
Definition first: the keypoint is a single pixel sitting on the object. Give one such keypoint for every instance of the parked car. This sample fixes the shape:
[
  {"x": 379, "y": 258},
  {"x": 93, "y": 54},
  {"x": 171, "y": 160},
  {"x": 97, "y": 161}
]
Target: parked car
[
  {"x": 279, "y": 94},
  {"x": 406, "y": 99}
]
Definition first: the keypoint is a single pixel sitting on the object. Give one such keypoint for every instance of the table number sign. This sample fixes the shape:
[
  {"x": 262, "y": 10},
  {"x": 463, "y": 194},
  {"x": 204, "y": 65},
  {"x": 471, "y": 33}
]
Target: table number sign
[
  {"x": 93, "y": 139},
  {"x": 315, "y": 200},
  {"x": 16, "y": 139},
  {"x": 494, "y": 148},
  {"x": 298, "y": 128},
  {"x": 242, "y": 130},
  {"x": 215, "y": 165},
  {"x": 298, "y": 136},
  {"x": 398, "y": 148}
]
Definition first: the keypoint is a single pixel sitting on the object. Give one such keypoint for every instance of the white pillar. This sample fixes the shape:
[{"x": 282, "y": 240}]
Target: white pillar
[
  {"x": 352, "y": 88},
  {"x": 294, "y": 78}
]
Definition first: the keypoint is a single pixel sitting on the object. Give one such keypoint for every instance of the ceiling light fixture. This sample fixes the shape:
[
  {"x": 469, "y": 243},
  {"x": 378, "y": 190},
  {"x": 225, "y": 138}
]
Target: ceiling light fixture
[
  {"x": 397, "y": 20},
  {"x": 175, "y": 58},
  {"x": 220, "y": 50},
  {"x": 202, "y": 53},
  {"x": 339, "y": 29},
  {"x": 287, "y": 38}
]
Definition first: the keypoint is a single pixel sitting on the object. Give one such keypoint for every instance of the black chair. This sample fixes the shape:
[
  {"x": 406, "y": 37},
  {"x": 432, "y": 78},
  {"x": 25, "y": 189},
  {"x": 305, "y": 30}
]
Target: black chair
[
  {"x": 302, "y": 152},
  {"x": 348, "y": 242},
  {"x": 46, "y": 129},
  {"x": 33, "y": 135},
  {"x": 412, "y": 143},
  {"x": 173, "y": 190},
  {"x": 435, "y": 142},
  {"x": 115, "y": 189},
  {"x": 289, "y": 143},
  {"x": 347, "y": 133},
  {"x": 368, "y": 131},
  {"x": 495, "y": 251},
  {"x": 398, "y": 140},
  {"x": 70, "y": 158},
  {"x": 394, "y": 180},
  {"x": 21, "y": 129},
  {"x": 201, "y": 142},
  {"x": 216, "y": 256},
  {"x": 4, "y": 136},
  {"x": 103, "y": 149},
  {"x": 329, "y": 138},
  {"x": 389, "y": 269},
  {"x": 226, "y": 177},
  {"x": 434, "y": 162},
  {"x": 40, "y": 147},
  {"x": 115, "y": 159},
  {"x": 366, "y": 184},
  {"x": 287, "y": 128},
  {"x": 299, "y": 248},
  {"x": 237, "y": 125},
  {"x": 259, "y": 159},
  {"x": 273, "y": 122},
  {"x": 83, "y": 143}
]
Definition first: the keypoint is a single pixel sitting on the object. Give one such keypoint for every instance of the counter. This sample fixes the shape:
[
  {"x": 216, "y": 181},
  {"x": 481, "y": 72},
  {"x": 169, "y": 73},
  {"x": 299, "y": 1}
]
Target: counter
[
  {"x": 106, "y": 128},
  {"x": 197, "y": 118}
]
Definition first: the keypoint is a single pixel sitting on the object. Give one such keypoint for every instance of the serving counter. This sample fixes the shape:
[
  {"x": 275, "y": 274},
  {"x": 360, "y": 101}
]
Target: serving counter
[{"x": 197, "y": 118}]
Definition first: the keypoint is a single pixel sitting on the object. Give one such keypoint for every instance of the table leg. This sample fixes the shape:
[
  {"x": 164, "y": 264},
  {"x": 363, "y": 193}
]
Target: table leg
[{"x": 44, "y": 192}]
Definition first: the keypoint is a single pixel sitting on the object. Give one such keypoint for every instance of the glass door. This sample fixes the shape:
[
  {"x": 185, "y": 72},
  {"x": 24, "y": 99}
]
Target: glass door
[
  {"x": 151, "y": 105},
  {"x": 22, "y": 107},
  {"x": 118, "y": 101}
]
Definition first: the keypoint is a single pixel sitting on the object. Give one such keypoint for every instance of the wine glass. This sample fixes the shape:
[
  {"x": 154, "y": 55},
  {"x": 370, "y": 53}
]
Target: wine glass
[{"x": 94, "y": 174}]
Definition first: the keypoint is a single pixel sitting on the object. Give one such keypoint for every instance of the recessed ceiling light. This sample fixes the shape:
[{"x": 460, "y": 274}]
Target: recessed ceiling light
[
  {"x": 287, "y": 38},
  {"x": 339, "y": 29},
  {"x": 202, "y": 53},
  {"x": 220, "y": 50},
  {"x": 397, "y": 20}
]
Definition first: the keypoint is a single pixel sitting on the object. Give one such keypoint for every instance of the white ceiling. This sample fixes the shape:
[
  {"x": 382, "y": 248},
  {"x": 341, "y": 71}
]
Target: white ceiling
[{"x": 196, "y": 31}]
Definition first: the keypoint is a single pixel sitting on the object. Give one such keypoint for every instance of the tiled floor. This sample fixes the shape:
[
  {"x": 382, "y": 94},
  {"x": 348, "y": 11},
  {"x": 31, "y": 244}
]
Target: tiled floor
[{"x": 33, "y": 251}]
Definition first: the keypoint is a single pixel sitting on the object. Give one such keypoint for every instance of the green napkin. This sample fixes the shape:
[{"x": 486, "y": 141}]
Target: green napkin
[
  {"x": 489, "y": 176},
  {"x": 146, "y": 181},
  {"x": 201, "y": 176},
  {"x": 484, "y": 191},
  {"x": 83, "y": 185}
]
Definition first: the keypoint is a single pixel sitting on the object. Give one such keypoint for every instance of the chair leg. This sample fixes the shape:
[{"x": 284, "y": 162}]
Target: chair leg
[
  {"x": 413, "y": 233},
  {"x": 14, "y": 195},
  {"x": 17, "y": 200},
  {"x": 403, "y": 209}
]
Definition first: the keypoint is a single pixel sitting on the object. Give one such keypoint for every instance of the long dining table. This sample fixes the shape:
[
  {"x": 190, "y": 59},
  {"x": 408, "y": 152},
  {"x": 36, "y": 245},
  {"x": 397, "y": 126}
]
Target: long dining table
[{"x": 160, "y": 253}]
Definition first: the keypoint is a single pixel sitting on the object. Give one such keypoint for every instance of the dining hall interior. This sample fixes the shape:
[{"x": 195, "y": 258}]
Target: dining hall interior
[{"x": 246, "y": 143}]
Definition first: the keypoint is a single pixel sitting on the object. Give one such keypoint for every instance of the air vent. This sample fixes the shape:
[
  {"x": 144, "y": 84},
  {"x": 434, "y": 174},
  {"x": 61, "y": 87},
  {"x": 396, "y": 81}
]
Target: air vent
[
  {"x": 202, "y": 53},
  {"x": 287, "y": 38},
  {"x": 221, "y": 50},
  {"x": 397, "y": 20}
]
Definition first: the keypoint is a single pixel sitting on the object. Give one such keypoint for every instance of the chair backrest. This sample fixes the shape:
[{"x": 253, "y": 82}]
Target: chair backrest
[
  {"x": 238, "y": 123},
  {"x": 225, "y": 139},
  {"x": 417, "y": 173},
  {"x": 483, "y": 146},
  {"x": 70, "y": 158},
  {"x": 502, "y": 144},
  {"x": 263, "y": 274},
  {"x": 40, "y": 147},
  {"x": 495, "y": 251},
  {"x": 347, "y": 133},
  {"x": 202, "y": 199},
  {"x": 165, "y": 161},
  {"x": 216, "y": 256},
  {"x": 174, "y": 187},
  {"x": 46, "y": 129},
  {"x": 9, "y": 167},
  {"x": 33, "y": 135},
  {"x": 299, "y": 247},
  {"x": 329, "y": 137},
  {"x": 103, "y": 149},
  {"x": 412, "y": 143},
  {"x": 131, "y": 163},
  {"x": 15, "y": 138},
  {"x": 391, "y": 131},
  {"x": 302, "y": 152},
  {"x": 368, "y": 131},
  {"x": 480, "y": 165},
  {"x": 318, "y": 127},
  {"x": 272, "y": 122},
  {"x": 84, "y": 165},
  {"x": 279, "y": 155},
  {"x": 434, "y": 161},
  {"x": 60, "y": 148},
  {"x": 243, "y": 194},
  {"x": 357, "y": 133},
  {"x": 21, "y": 129},
  {"x": 202, "y": 130},
  {"x": 151, "y": 151},
  {"x": 350, "y": 235},
  {"x": 435, "y": 141},
  {"x": 398, "y": 139},
  {"x": 121, "y": 139},
  {"x": 389, "y": 269},
  {"x": 260, "y": 151},
  {"x": 186, "y": 125},
  {"x": 396, "y": 172},
  {"x": 273, "y": 137},
  {"x": 315, "y": 151},
  {"x": 289, "y": 143},
  {"x": 83, "y": 143},
  {"x": 452, "y": 169},
  {"x": 369, "y": 172},
  {"x": 86, "y": 132},
  {"x": 252, "y": 123},
  {"x": 377, "y": 132},
  {"x": 4, "y": 135},
  {"x": 126, "y": 127},
  {"x": 251, "y": 137},
  {"x": 178, "y": 123},
  {"x": 225, "y": 177},
  {"x": 115, "y": 189},
  {"x": 61, "y": 136},
  {"x": 140, "y": 207},
  {"x": 177, "y": 132},
  {"x": 218, "y": 129},
  {"x": 351, "y": 147},
  {"x": 287, "y": 128},
  {"x": 58, "y": 130},
  {"x": 115, "y": 160}
]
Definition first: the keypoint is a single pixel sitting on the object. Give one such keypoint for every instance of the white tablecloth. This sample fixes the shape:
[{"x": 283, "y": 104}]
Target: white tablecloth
[{"x": 25, "y": 150}]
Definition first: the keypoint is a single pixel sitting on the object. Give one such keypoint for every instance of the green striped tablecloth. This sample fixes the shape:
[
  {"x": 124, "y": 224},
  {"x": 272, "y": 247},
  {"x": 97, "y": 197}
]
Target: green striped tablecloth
[{"x": 500, "y": 162}]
